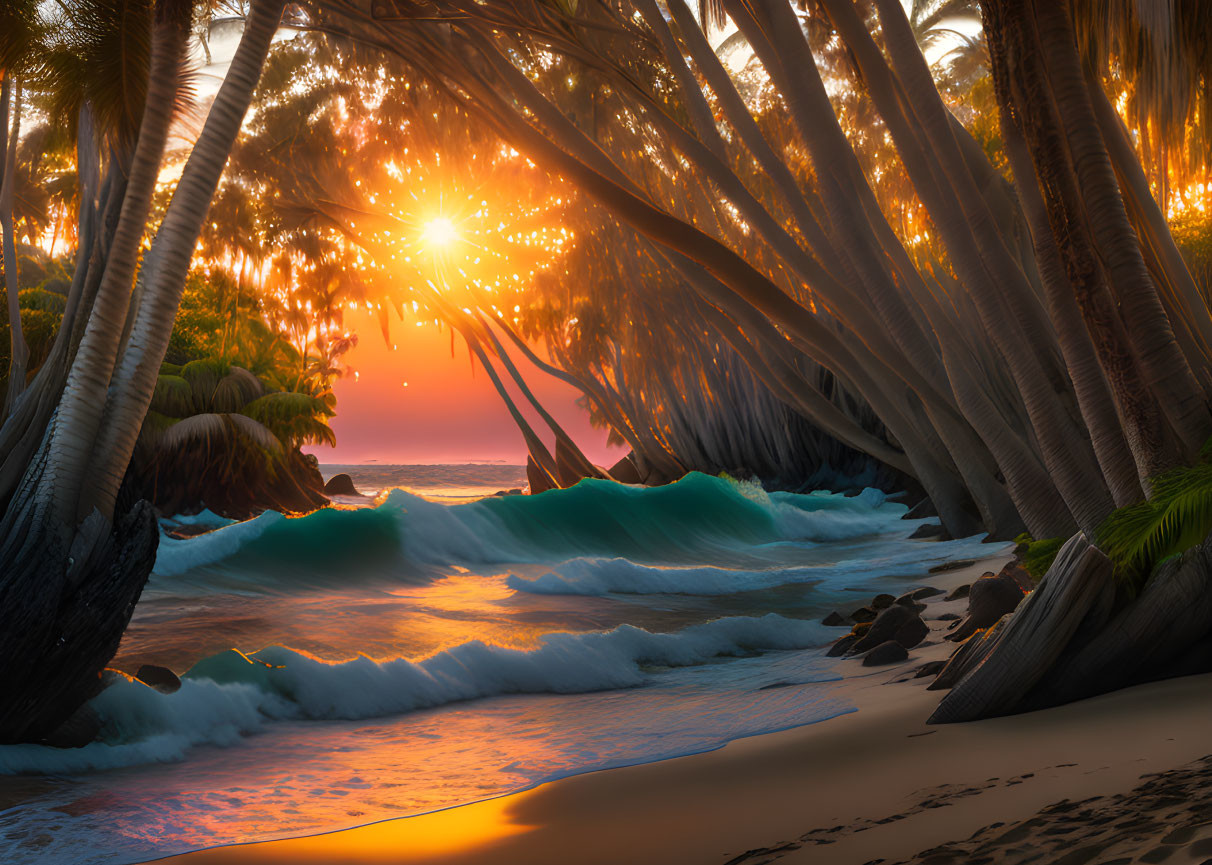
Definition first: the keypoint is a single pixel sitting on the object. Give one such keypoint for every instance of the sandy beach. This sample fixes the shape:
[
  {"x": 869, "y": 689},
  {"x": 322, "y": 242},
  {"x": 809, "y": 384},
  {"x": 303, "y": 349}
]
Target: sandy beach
[{"x": 876, "y": 785}]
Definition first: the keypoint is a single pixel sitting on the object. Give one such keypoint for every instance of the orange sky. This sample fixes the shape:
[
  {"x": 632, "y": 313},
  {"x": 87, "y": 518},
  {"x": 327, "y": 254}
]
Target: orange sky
[{"x": 446, "y": 414}]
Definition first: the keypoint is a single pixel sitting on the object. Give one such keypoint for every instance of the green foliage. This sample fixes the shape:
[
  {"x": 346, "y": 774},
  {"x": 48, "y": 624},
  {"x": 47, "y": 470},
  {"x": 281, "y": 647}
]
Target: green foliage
[
  {"x": 41, "y": 299},
  {"x": 1177, "y": 517},
  {"x": 204, "y": 376},
  {"x": 1193, "y": 233},
  {"x": 173, "y": 398},
  {"x": 1037, "y": 556},
  {"x": 295, "y": 418},
  {"x": 235, "y": 390}
]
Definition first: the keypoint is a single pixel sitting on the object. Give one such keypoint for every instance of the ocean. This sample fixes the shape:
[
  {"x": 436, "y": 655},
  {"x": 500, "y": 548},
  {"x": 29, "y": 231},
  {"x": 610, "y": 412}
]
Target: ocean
[{"x": 434, "y": 644}]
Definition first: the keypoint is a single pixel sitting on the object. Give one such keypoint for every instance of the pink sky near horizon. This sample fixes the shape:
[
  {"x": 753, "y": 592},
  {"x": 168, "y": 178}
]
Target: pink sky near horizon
[{"x": 447, "y": 413}]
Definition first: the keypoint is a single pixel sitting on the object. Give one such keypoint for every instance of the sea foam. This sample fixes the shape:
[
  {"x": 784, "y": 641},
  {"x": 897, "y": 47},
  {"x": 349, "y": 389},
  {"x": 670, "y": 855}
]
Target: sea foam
[{"x": 230, "y": 695}]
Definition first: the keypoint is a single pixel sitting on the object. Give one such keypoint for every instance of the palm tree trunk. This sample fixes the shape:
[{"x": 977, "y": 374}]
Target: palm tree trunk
[
  {"x": 1165, "y": 261},
  {"x": 1026, "y": 95},
  {"x": 80, "y": 411},
  {"x": 1165, "y": 370},
  {"x": 19, "y": 351},
  {"x": 135, "y": 376}
]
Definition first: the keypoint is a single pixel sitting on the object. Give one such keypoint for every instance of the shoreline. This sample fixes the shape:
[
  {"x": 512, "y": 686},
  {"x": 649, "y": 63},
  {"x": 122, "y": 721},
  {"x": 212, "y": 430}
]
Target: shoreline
[
  {"x": 881, "y": 785},
  {"x": 753, "y": 802}
]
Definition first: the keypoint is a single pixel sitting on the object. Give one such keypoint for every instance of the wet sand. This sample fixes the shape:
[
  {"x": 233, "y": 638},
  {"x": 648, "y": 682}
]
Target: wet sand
[{"x": 874, "y": 785}]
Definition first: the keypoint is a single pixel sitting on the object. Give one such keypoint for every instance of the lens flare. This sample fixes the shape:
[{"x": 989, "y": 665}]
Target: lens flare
[{"x": 439, "y": 233}]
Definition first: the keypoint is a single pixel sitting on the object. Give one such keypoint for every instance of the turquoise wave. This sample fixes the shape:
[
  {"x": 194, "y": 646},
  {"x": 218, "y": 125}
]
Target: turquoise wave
[{"x": 698, "y": 519}]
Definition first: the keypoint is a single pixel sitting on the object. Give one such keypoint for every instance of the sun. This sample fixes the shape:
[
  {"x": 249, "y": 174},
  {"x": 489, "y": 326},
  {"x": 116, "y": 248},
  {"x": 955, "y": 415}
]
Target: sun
[{"x": 439, "y": 233}]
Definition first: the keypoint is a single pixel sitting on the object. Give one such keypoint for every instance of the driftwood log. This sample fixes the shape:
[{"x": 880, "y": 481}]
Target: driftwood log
[{"x": 1080, "y": 634}]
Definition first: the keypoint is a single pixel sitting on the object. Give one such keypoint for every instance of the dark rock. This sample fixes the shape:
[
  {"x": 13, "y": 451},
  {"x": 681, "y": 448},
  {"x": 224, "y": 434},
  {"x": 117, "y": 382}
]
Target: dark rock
[
  {"x": 77, "y": 731},
  {"x": 959, "y": 592},
  {"x": 952, "y": 566},
  {"x": 1016, "y": 572},
  {"x": 923, "y": 509},
  {"x": 949, "y": 617},
  {"x": 341, "y": 485},
  {"x": 889, "y": 652},
  {"x": 913, "y": 633},
  {"x": 186, "y": 531},
  {"x": 162, "y": 679},
  {"x": 882, "y": 601},
  {"x": 177, "y": 482},
  {"x": 907, "y": 600},
  {"x": 930, "y": 532},
  {"x": 931, "y": 668},
  {"x": 990, "y": 598},
  {"x": 834, "y": 619},
  {"x": 863, "y": 614},
  {"x": 860, "y": 628},
  {"x": 925, "y": 592},
  {"x": 897, "y": 623},
  {"x": 840, "y": 647}
]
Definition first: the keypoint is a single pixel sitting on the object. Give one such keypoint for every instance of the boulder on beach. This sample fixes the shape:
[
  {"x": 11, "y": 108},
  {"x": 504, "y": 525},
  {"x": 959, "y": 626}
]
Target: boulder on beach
[
  {"x": 930, "y": 532},
  {"x": 162, "y": 679},
  {"x": 882, "y": 601},
  {"x": 889, "y": 652},
  {"x": 841, "y": 646},
  {"x": 907, "y": 600},
  {"x": 863, "y": 614},
  {"x": 952, "y": 566},
  {"x": 898, "y": 623},
  {"x": 834, "y": 619},
  {"x": 959, "y": 592},
  {"x": 990, "y": 598},
  {"x": 341, "y": 485}
]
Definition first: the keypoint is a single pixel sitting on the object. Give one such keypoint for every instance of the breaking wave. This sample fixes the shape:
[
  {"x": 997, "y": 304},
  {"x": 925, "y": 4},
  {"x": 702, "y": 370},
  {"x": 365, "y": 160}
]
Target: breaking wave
[{"x": 230, "y": 695}]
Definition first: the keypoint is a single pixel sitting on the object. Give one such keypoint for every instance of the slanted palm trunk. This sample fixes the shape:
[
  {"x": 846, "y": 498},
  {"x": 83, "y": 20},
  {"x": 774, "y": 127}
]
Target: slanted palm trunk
[
  {"x": 1078, "y": 633},
  {"x": 76, "y": 551},
  {"x": 1044, "y": 98}
]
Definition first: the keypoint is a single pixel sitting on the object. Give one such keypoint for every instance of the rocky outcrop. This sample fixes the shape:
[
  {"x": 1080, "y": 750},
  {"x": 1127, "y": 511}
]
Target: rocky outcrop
[
  {"x": 991, "y": 597},
  {"x": 890, "y": 652},
  {"x": 162, "y": 679},
  {"x": 1001, "y": 670},
  {"x": 290, "y": 484},
  {"x": 897, "y": 623},
  {"x": 341, "y": 485}
]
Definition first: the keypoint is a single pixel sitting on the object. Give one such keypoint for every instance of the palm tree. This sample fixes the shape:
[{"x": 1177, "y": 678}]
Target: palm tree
[
  {"x": 75, "y": 562},
  {"x": 20, "y": 37}
]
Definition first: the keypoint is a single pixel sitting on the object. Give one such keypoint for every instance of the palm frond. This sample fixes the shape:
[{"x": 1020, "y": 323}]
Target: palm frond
[
  {"x": 296, "y": 418},
  {"x": 1177, "y": 517},
  {"x": 173, "y": 396},
  {"x": 235, "y": 390},
  {"x": 216, "y": 431},
  {"x": 204, "y": 376}
]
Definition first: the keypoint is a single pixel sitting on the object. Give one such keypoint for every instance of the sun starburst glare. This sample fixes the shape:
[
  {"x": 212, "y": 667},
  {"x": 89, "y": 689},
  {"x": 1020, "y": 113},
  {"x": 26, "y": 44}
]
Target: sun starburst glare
[{"x": 439, "y": 233}]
